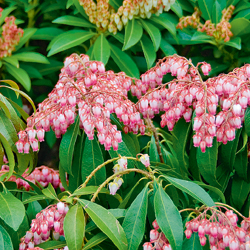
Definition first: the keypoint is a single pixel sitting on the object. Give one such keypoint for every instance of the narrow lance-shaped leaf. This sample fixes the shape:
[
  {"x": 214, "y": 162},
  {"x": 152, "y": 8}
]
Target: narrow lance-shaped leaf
[
  {"x": 67, "y": 146},
  {"x": 106, "y": 222},
  {"x": 5, "y": 240},
  {"x": 148, "y": 50},
  {"x": 102, "y": 49},
  {"x": 74, "y": 21},
  {"x": 50, "y": 192},
  {"x": 135, "y": 220},
  {"x": 12, "y": 210},
  {"x": 95, "y": 240},
  {"x": 74, "y": 227}
]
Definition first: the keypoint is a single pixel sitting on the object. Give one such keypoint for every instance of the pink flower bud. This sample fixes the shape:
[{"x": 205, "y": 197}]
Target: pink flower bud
[
  {"x": 113, "y": 187},
  {"x": 56, "y": 226},
  {"x": 60, "y": 207},
  {"x": 145, "y": 160},
  {"x": 147, "y": 246},
  {"x": 188, "y": 233},
  {"x": 154, "y": 235},
  {"x": 123, "y": 162}
]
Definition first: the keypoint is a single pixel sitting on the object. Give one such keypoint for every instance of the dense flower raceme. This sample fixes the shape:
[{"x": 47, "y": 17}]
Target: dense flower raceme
[
  {"x": 11, "y": 35},
  {"x": 220, "y": 229},
  {"x": 158, "y": 239},
  {"x": 48, "y": 224},
  {"x": 86, "y": 89},
  {"x": 43, "y": 175},
  {"x": 104, "y": 16},
  {"x": 219, "y": 31}
]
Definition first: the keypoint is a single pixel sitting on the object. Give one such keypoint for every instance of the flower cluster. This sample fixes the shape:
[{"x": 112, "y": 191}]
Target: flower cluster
[
  {"x": 188, "y": 92},
  {"x": 117, "y": 182},
  {"x": 220, "y": 229},
  {"x": 11, "y": 35},
  {"x": 86, "y": 89},
  {"x": 43, "y": 175},
  {"x": 103, "y": 15},
  {"x": 48, "y": 223},
  {"x": 219, "y": 31},
  {"x": 158, "y": 239}
]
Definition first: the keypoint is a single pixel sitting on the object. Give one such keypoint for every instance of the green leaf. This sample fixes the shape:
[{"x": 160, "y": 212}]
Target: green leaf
[
  {"x": 106, "y": 222},
  {"x": 28, "y": 33},
  {"x": 217, "y": 12},
  {"x": 124, "y": 62},
  {"x": 89, "y": 190},
  {"x": 167, "y": 21},
  {"x": 153, "y": 153},
  {"x": 243, "y": 13},
  {"x": 102, "y": 49},
  {"x": 12, "y": 210},
  {"x": 5, "y": 240},
  {"x": 247, "y": 121},
  {"x": 91, "y": 159},
  {"x": 201, "y": 37},
  {"x": 115, "y": 4},
  {"x": 20, "y": 75},
  {"x": 13, "y": 61},
  {"x": 31, "y": 57},
  {"x": 50, "y": 192},
  {"x": 80, "y": 8},
  {"x": 67, "y": 146},
  {"x": 148, "y": 50},
  {"x": 74, "y": 21},
  {"x": 31, "y": 71},
  {"x": 5, "y": 13},
  {"x": 228, "y": 151},
  {"x": 176, "y": 8},
  {"x": 192, "y": 189},
  {"x": 135, "y": 220},
  {"x": 46, "y": 69},
  {"x": 52, "y": 245},
  {"x": 235, "y": 43},
  {"x": 240, "y": 26},
  {"x": 74, "y": 227},
  {"x": 186, "y": 5},
  {"x": 193, "y": 243},
  {"x": 241, "y": 163},
  {"x": 69, "y": 40},
  {"x": 133, "y": 34},
  {"x": 181, "y": 133},
  {"x": 153, "y": 32},
  {"x": 206, "y": 7},
  {"x": 207, "y": 163},
  {"x": 95, "y": 240},
  {"x": 46, "y": 33},
  {"x": 239, "y": 192},
  {"x": 35, "y": 198},
  {"x": 168, "y": 218},
  {"x": 5, "y": 109},
  {"x": 167, "y": 48}
]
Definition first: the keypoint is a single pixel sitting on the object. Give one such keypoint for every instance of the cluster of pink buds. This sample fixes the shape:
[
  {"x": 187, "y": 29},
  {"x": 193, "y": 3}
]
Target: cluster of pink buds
[
  {"x": 219, "y": 31},
  {"x": 48, "y": 224},
  {"x": 43, "y": 175},
  {"x": 11, "y": 35},
  {"x": 86, "y": 89},
  {"x": 117, "y": 182},
  {"x": 104, "y": 16},
  {"x": 221, "y": 230},
  {"x": 158, "y": 240}
]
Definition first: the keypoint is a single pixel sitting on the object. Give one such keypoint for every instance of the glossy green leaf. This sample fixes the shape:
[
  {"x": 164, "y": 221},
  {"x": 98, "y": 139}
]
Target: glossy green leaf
[
  {"x": 167, "y": 48},
  {"x": 89, "y": 190},
  {"x": 95, "y": 240},
  {"x": 176, "y": 8},
  {"x": 74, "y": 21},
  {"x": 241, "y": 163},
  {"x": 35, "y": 198},
  {"x": 186, "y": 5},
  {"x": 135, "y": 220},
  {"x": 192, "y": 189},
  {"x": 5, "y": 240},
  {"x": 50, "y": 192},
  {"x": 67, "y": 146},
  {"x": 46, "y": 33},
  {"x": 28, "y": 33},
  {"x": 102, "y": 49},
  {"x": 207, "y": 163},
  {"x": 115, "y": 4},
  {"x": 80, "y": 8},
  {"x": 240, "y": 26},
  {"x": 247, "y": 121},
  {"x": 170, "y": 159},
  {"x": 69, "y": 40},
  {"x": 153, "y": 32},
  {"x": 243, "y": 13},
  {"x": 217, "y": 12},
  {"x": 235, "y": 43},
  {"x": 5, "y": 108},
  {"x": 12, "y": 210},
  {"x": 74, "y": 227},
  {"x": 6, "y": 12},
  {"x": 239, "y": 192},
  {"x": 153, "y": 153},
  {"x": 20, "y": 75},
  {"x": 148, "y": 50},
  {"x": 13, "y": 61},
  {"x": 168, "y": 218},
  {"x": 240, "y": 5},
  {"x": 133, "y": 34},
  {"x": 124, "y": 62},
  {"x": 31, "y": 57},
  {"x": 106, "y": 222},
  {"x": 206, "y": 7},
  {"x": 91, "y": 159},
  {"x": 48, "y": 245},
  {"x": 193, "y": 243}
]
